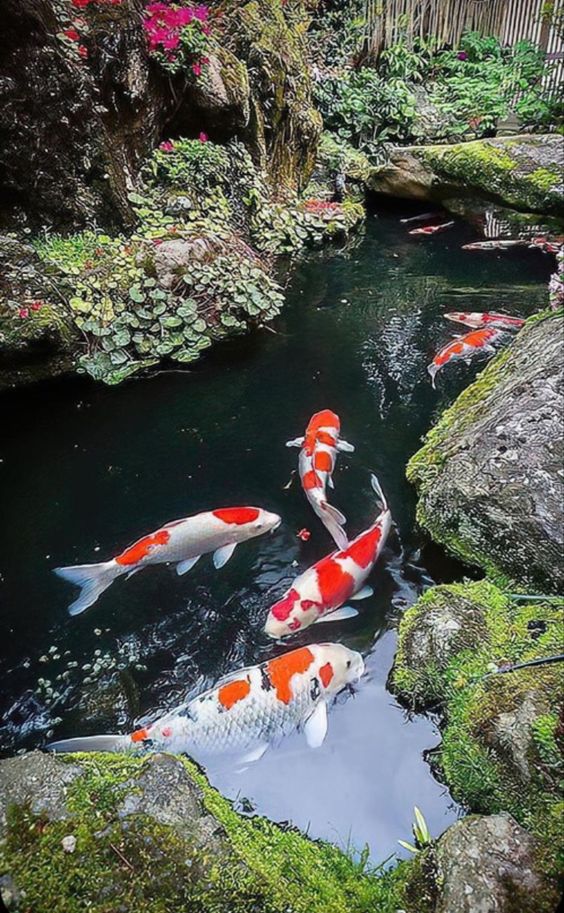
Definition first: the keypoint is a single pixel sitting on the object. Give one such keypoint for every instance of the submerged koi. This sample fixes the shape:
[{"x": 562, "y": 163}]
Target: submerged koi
[
  {"x": 464, "y": 347},
  {"x": 478, "y": 320},
  {"x": 320, "y": 592},
  {"x": 181, "y": 542},
  {"x": 246, "y": 711},
  {"x": 495, "y": 245},
  {"x": 549, "y": 247},
  {"x": 431, "y": 229},
  {"x": 318, "y": 456}
]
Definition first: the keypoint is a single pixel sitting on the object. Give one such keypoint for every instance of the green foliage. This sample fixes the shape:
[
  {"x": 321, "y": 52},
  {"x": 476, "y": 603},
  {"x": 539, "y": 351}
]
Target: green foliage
[
  {"x": 421, "y": 833},
  {"x": 467, "y": 91},
  {"x": 190, "y": 165},
  {"x": 545, "y": 728}
]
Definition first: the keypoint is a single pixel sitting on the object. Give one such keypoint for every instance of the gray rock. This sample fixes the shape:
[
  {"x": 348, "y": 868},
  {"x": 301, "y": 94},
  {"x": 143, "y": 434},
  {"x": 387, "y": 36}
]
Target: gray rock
[
  {"x": 39, "y": 780},
  {"x": 511, "y": 736},
  {"x": 490, "y": 475},
  {"x": 489, "y": 865},
  {"x": 521, "y": 172}
]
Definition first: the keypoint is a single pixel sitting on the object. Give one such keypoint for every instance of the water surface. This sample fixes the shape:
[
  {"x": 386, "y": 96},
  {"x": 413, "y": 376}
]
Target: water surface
[{"x": 86, "y": 470}]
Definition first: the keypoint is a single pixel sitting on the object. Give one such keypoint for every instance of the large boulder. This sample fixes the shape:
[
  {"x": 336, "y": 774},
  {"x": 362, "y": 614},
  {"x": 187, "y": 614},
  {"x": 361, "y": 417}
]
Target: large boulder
[
  {"x": 489, "y": 475},
  {"x": 491, "y": 865},
  {"x": 521, "y": 172}
]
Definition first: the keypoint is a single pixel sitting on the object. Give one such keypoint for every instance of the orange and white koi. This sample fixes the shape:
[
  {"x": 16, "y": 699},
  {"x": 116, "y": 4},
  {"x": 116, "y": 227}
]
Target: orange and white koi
[
  {"x": 548, "y": 247},
  {"x": 181, "y": 542},
  {"x": 477, "y": 320},
  {"x": 464, "y": 347},
  {"x": 431, "y": 229},
  {"x": 318, "y": 456},
  {"x": 320, "y": 593},
  {"x": 246, "y": 711}
]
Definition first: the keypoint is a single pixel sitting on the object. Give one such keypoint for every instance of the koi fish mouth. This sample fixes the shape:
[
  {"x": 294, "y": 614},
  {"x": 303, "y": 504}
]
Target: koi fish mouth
[{"x": 276, "y": 526}]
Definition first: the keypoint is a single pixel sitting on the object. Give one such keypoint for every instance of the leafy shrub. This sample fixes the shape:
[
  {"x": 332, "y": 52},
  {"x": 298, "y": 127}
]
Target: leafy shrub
[
  {"x": 177, "y": 35},
  {"x": 189, "y": 165}
]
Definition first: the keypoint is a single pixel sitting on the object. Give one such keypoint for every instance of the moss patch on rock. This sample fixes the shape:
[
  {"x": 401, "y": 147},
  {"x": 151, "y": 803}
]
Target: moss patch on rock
[
  {"x": 500, "y": 748},
  {"x": 151, "y": 833}
]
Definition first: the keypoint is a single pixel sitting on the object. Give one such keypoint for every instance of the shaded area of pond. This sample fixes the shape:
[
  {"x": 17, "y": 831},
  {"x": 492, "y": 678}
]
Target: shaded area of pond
[{"x": 85, "y": 470}]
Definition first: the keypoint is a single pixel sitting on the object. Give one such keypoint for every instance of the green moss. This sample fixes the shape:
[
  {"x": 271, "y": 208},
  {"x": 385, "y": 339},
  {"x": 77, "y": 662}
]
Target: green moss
[
  {"x": 491, "y": 168},
  {"x": 138, "y": 863},
  {"x": 479, "y": 771}
]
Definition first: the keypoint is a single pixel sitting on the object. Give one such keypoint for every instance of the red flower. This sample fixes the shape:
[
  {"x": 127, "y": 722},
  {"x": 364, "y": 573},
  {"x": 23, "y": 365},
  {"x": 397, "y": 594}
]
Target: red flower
[
  {"x": 196, "y": 69},
  {"x": 23, "y": 313},
  {"x": 83, "y": 51},
  {"x": 203, "y": 137},
  {"x": 304, "y": 534},
  {"x": 71, "y": 34},
  {"x": 167, "y": 146},
  {"x": 37, "y": 305},
  {"x": 80, "y": 4}
]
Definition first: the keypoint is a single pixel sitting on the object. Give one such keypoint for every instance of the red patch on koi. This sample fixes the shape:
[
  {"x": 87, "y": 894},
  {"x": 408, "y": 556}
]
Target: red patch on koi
[
  {"x": 140, "y": 735},
  {"x": 166, "y": 732},
  {"x": 311, "y": 480},
  {"x": 230, "y": 694},
  {"x": 326, "y": 674},
  {"x": 283, "y": 609},
  {"x": 364, "y": 550},
  {"x": 143, "y": 547},
  {"x": 237, "y": 515},
  {"x": 323, "y": 461},
  {"x": 335, "y": 584},
  {"x": 282, "y": 669}
]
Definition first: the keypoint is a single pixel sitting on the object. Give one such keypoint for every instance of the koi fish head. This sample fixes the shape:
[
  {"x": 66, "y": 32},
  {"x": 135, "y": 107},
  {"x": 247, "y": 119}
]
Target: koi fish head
[
  {"x": 284, "y": 616},
  {"x": 248, "y": 522},
  {"x": 324, "y": 419},
  {"x": 337, "y": 666},
  {"x": 473, "y": 319}
]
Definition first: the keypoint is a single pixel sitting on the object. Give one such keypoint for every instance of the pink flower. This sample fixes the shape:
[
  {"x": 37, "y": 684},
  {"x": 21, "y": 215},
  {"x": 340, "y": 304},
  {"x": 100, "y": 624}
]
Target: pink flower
[
  {"x": 463, "y": 55},
  {"x": 196, "y": 69},
  {"x": 203, "y": 137},
  {"x": 167, "y": 146},
  {"x": 37, "y": 305},
  {"x": 23, "y": 313},
  {"x": 80, "y": 4},
  {"x": 204, "y": 61},
  {"x": 71, "y": 34},
  {"x": 83, "y": 51},
  {"x": 201, "y": 13}
]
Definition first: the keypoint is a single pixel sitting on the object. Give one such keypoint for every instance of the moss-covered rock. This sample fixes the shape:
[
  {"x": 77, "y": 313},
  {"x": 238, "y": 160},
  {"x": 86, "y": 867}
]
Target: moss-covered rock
[
  {"x": 152, "y": 834},
  {"x": 523, "y": 173},
  {"x": 489, "y": 473},
  {"x": 499, "y": 750}
]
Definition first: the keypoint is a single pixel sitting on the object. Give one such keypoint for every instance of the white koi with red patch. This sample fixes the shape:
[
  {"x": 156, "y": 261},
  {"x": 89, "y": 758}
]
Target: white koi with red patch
[
  {"x": 180, "y": 542},
  {"x": 318, "y": 456},
  {"x": 248, "y": 710},
  {"x": 495, "y": 245},
  {"x": 464, "y": 347},
  {"x": 478, "y": 320},
  {"x": 319, "y": 593},
  {"x": 431, "y": 229}
]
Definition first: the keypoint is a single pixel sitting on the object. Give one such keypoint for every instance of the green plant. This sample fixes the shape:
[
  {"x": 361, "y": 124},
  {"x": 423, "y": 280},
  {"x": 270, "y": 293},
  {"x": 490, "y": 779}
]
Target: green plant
[
  {"x": 421, "y": 834},
  {"x": 189, "y": 165}
]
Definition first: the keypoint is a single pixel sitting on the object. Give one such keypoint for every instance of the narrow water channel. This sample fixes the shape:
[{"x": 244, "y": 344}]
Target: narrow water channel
[{"x": 85, "y": 470}]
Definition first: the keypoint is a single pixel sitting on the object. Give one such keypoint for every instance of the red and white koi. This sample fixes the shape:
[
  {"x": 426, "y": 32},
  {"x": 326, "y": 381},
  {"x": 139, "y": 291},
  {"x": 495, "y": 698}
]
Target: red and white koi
[
  {"x": 320, "y": 593},
  {"x": 181, "y": 542},
  {"x": 246, "y": 711},
  {"x": 478, "y": 320},
  {"x": 431, "y": 229},
  {"x": 548, "y": 247},
  {"x": 318, "y": 456},
  {"x": 464, "y": 347}
]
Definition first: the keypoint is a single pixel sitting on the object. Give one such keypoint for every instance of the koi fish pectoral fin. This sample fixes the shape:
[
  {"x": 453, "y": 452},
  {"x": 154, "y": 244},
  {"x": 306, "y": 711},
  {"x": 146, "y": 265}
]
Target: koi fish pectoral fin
[
  {"x": 222, "y": 555},
  {"x": 255, "y": 754},
  {"x": 346, "y": 611},
  {"x": 184, "y": 566},
  {"x": 330, "y": 482},
  {"x": 315, "y": 727},
  {"x": 345, "y": 447},
  {"x": 297, "y": 442},
  {"x": 364, "y": 593}
]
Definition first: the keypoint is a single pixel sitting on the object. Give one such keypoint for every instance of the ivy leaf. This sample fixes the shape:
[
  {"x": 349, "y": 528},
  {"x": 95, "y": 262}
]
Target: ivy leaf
[{"x": 136, "y": 294}]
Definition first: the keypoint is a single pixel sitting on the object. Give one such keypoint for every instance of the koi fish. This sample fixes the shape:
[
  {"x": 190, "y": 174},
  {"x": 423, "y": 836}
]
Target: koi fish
[
  {"x": 320, "y": 593},
  {"x": 477, "y": 320},
  {"x": 495, "y": 245},
  {"x": 424, "y": 217},
  {"x": 181, "y": 542},
  {"x": 431, "y": 229},
  {"x": 464, "y": 347},
  {"x": 549, "y": 247},
  {"x": 318, "y": 456},
  {"x": 247, "y": 710}
]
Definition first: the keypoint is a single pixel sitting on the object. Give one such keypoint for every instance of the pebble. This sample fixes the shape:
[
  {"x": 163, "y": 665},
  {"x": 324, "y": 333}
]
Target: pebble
[{"x": 69, "y": 844}]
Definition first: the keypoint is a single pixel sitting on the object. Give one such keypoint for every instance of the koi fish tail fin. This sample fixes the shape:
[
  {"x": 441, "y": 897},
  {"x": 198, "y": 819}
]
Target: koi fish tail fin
[
  {"x": 433, "y": 370},
  {"x": 92, "y": 743},
  {"x": 379, "y": 491},
  {"x": 92, "y": 579},
  {"x": 334, "y": 520}
]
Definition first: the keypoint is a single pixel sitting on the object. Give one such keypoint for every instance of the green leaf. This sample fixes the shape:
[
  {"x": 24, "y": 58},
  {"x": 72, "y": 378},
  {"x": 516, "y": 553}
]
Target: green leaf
[
  {"x": 136, "y": 294},
  {"x": 408, "y": 846},
  {"x": 172, "y": 322},
  {"x": 119, "y": 357},
  {"x": 199, "y": 325}
]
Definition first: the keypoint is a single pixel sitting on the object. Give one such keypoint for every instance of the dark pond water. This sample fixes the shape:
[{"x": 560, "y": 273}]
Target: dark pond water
[{"x": 85, "y": 470}]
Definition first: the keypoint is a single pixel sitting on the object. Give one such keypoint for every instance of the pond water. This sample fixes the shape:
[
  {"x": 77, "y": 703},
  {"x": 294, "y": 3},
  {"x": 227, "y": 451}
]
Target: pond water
[{"x": 85, "y": 470}]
